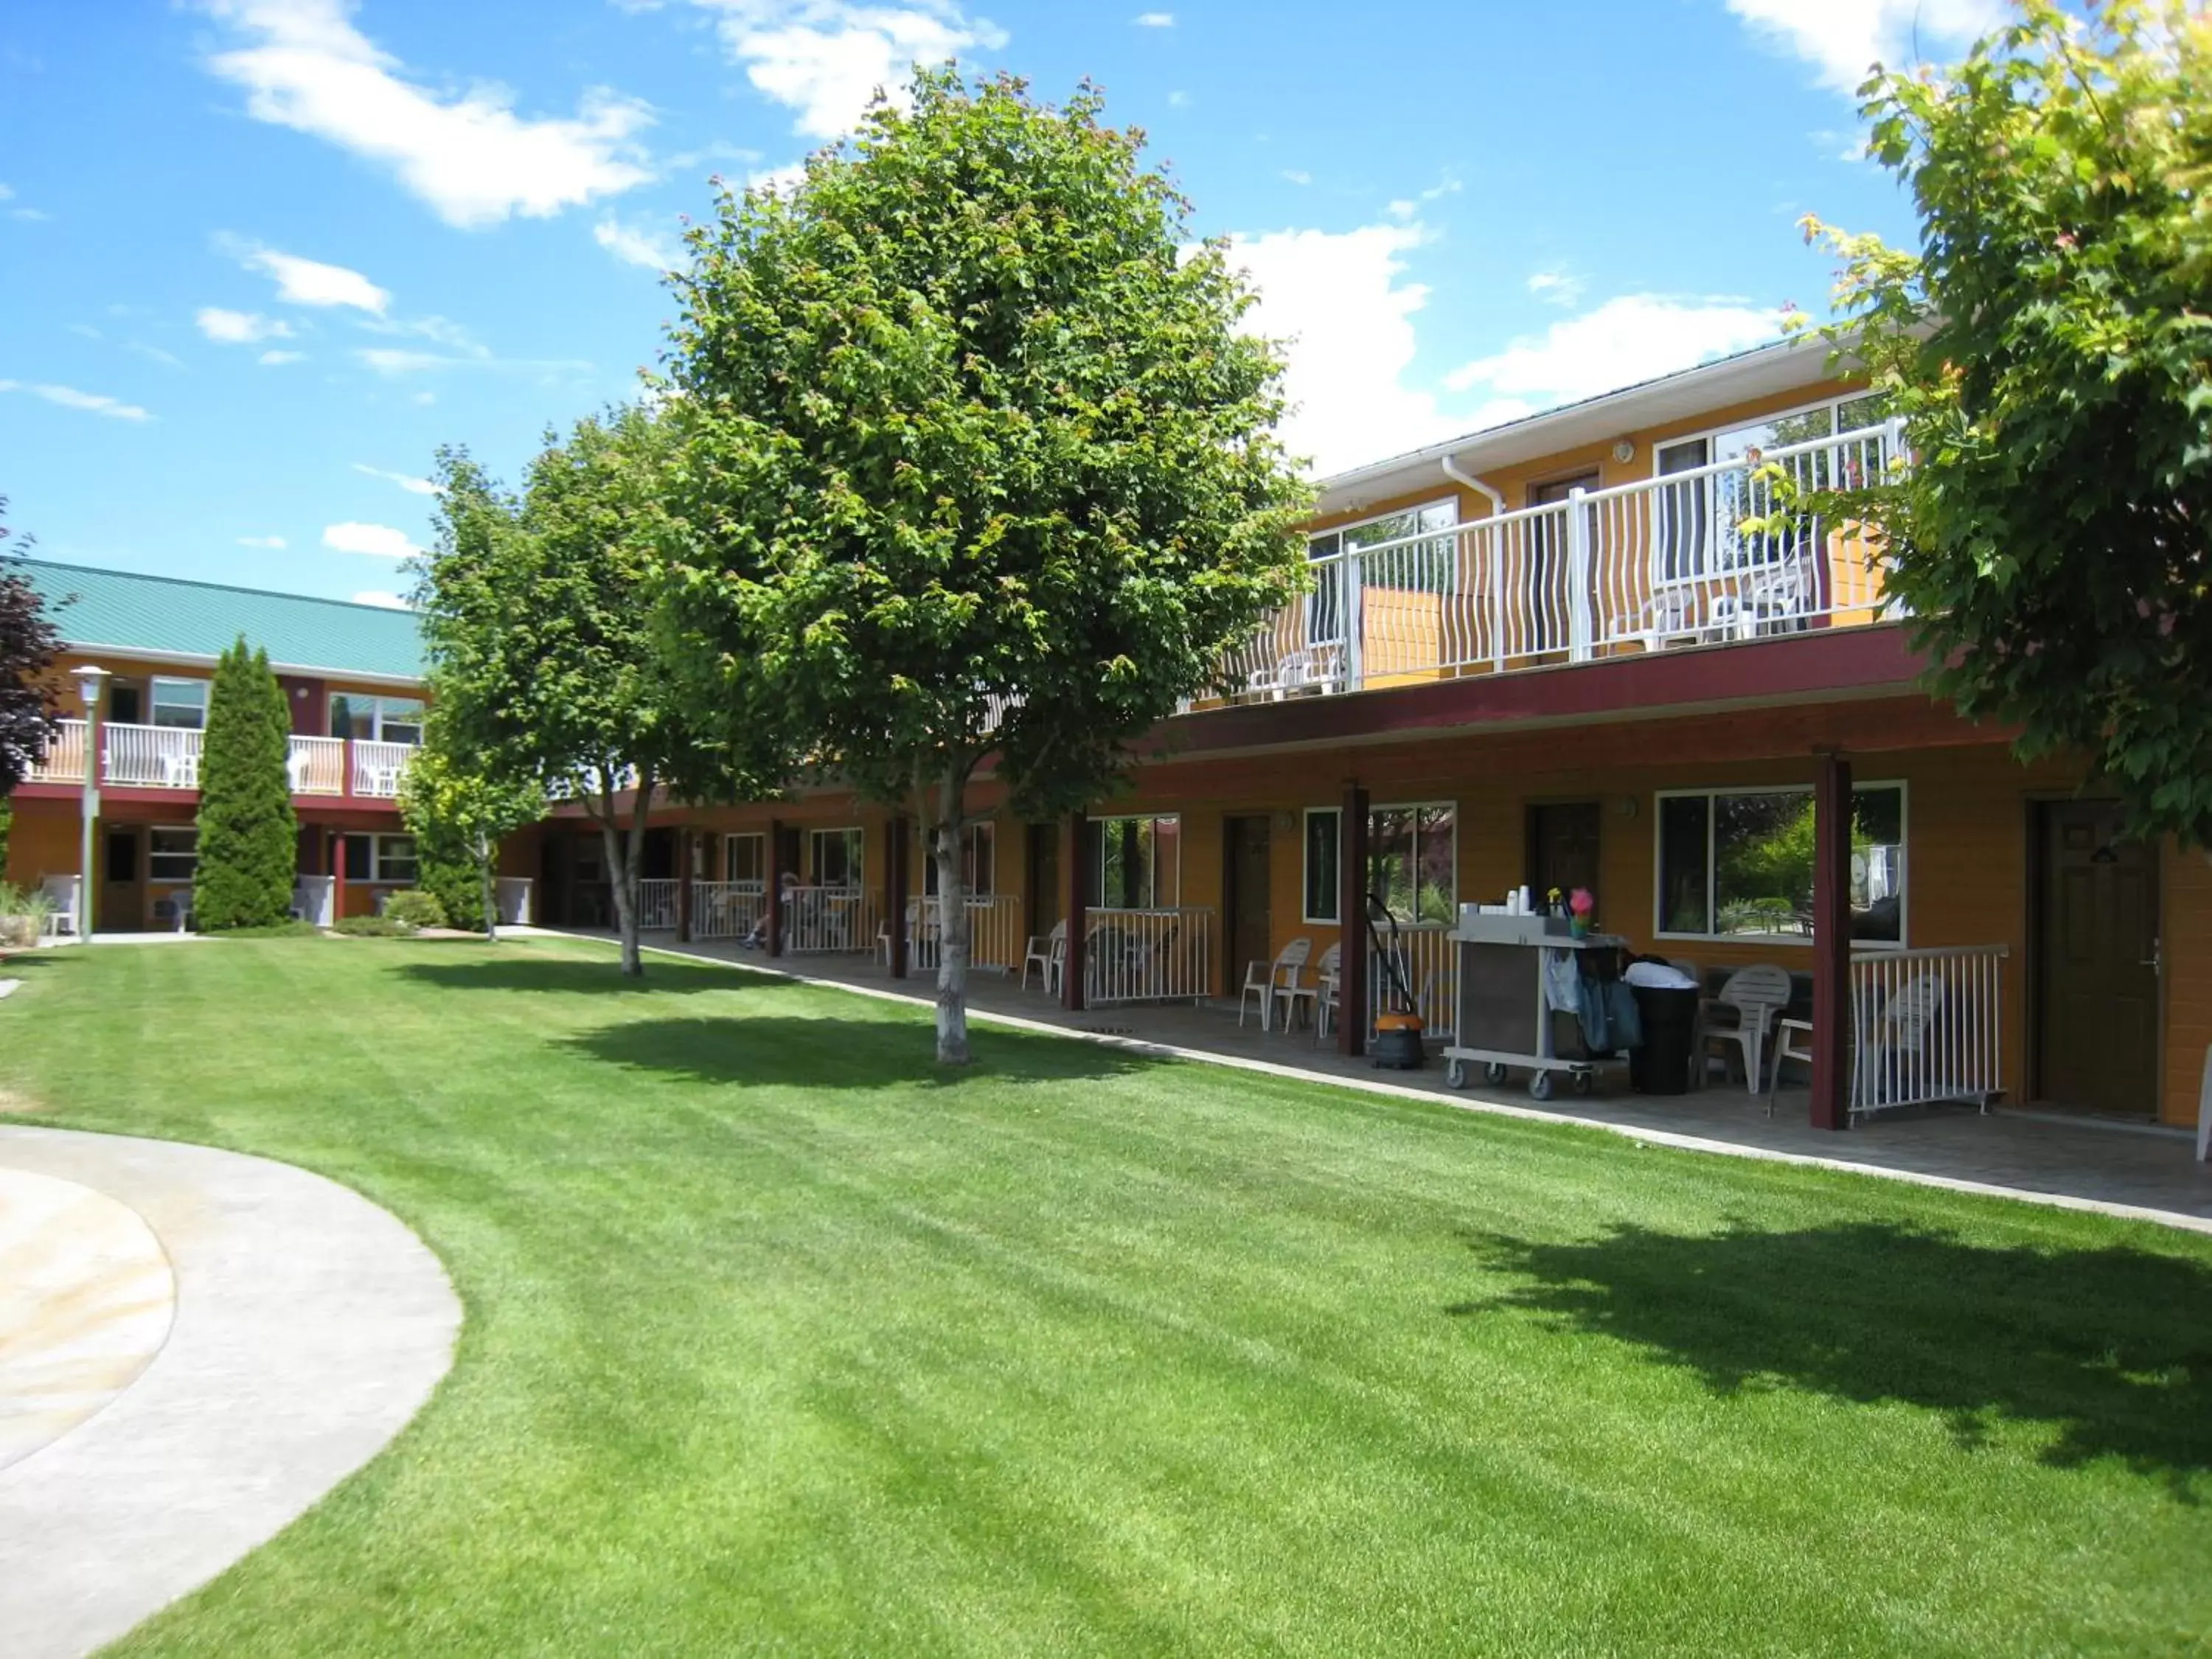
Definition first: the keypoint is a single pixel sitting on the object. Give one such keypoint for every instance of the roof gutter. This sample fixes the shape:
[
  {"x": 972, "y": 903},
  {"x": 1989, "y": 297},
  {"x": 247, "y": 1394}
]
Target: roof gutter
[
  {"x": 1451, "y": 470},
  {"x": 200, "y": 660}
]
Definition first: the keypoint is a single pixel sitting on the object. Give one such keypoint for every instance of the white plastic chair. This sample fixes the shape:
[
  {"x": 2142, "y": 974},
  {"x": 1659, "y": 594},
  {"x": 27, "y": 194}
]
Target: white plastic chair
[
  {"x": 1325, "y": 976},
  {"x": 1897, "y": 1031},
  {"x": 1752, "y": 998},
  {"x": 1048, "y": 956},
  {"x": 1785, "y": 1048},
  {"x": 1265, "y": 980}
]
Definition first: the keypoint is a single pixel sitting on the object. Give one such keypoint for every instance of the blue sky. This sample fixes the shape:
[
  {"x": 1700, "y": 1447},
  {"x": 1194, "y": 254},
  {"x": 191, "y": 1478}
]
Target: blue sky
[{"x": 259, "y": 258}]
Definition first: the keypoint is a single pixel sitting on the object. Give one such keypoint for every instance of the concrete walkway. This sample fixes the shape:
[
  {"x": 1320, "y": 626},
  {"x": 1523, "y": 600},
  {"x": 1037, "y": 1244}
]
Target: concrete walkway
[
  {"x": 308, "y": 1327},
  {"x": 2144, "y": 1174}
]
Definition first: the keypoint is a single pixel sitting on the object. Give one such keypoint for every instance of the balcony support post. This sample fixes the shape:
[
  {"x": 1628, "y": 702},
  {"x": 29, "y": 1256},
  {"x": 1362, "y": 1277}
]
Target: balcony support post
[
  {"x": 338, "y": 876},
  {"x": 685, "y": 843},
  {"x": 772, "y": 900},
  {"x": 901, "y": 876},
  {"x": 1833, "y": 1016},
  {"x": 1352, "y": 919},
  {"x": 1074, "y": 850},
  {"x": 1579, "y": 628},
  {"x": 345, "y": 769}
]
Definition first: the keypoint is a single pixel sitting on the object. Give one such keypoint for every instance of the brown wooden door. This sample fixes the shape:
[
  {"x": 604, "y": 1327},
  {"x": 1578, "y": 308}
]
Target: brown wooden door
[
  {"x": 1047, "y": 903},
  {"x": 1563, "y": 847},
  {"x": 2096, "y": 939},
  {"x": 1245, "y": 892}
]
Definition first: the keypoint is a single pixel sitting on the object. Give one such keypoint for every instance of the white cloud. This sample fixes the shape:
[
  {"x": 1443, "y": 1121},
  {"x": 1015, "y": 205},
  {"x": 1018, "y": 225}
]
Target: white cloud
[
  {"x": 1842, "y": 38},
  {"x": 1633, "y": 338},
  {"x": 826, "y": 58},
  {"x": 261, "y": 541},
  {"x": 1178, "y": 100},
  {"x": 778, "y": 181},
  {"x": 97, "y": 403},
  {"x": 467, "y": 155},
  {"x": 240, "y": 327},
  {"x": 1154, "y": 19},
  {"x": 393, "y": 362},
  {"x": 425, "y": 398},
  {"x": 379, "y": 541},
  {"x": 408, "y": 482},
  {"x": 311, "y": 283},
  {"x": 7, "y": 193},
  {"x": 31, "y": 215},
  {"x": 1297, "y": 175},
  {"x": 1341, "y": 296},
  {"x": 636, "y": 244},
  {"x": 1556, "y": 288},
  {"x": 278, "y": 359},
  {"x": 381, "y": 600},
  {"x": 153, "y": 354}
]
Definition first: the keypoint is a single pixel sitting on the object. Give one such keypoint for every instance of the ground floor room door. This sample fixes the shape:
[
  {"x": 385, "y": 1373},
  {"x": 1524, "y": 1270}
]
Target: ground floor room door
[
  {"x": 122, "y": 896},
  {"x": 1562, "y": 847},
  {"x": 1245, "y": 893},
  {"x": 1048, "y": 904},
  {"x": 2096, "y": 955}
]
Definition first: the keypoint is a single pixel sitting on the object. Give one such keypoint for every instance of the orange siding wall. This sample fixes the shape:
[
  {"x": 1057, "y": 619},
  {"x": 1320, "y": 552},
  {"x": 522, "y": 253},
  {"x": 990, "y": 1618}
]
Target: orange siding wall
[{"x": 44, "y": 842}]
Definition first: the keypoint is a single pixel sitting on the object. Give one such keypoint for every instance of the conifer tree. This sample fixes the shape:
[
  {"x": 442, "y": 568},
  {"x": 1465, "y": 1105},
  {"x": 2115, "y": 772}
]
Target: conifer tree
[{"x": 249, "y": 838}]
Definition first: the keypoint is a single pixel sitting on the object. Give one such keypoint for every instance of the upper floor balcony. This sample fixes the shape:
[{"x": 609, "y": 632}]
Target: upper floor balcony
[
  {"x": 135, "y": 756},
  {"x": 1704, "y": 555}
]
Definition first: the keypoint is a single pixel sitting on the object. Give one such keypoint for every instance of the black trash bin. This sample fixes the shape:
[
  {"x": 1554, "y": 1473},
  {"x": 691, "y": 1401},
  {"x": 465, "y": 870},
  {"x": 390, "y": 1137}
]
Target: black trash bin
[{"x": 1661, "y": 1065}]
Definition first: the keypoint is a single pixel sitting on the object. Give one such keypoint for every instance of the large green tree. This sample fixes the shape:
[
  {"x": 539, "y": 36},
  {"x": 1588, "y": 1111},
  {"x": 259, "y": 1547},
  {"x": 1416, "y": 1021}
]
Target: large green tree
[
  {"x": 539, "y": 615},
  {"x": 458, "y": 810},
  {"x": 249, "y": 836},
  {"x": 2049, "y": 344},
  {"x": 979, "y": 462}
]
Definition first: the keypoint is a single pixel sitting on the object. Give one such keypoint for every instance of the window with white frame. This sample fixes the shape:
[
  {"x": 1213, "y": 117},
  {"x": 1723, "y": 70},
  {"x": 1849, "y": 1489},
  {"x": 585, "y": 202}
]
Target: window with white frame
[
  {"x": 979, "y": 845},
  {"x": 1133, "y": 863},
  {"x": 1413, "y": 862},
  {"x": 1699, "y": 523},
  {"x": 835, "y": 856},
  {"x": 1738, "y": 863},
  {"x": 173, "y": 853},
  {"x": 178, "y": 703},
  {"x": 1429, "y": 564},
  {"x": 744, "y": 857},
  {"x": 381, "y": 859},
  {"x": 376, "y": 720}
]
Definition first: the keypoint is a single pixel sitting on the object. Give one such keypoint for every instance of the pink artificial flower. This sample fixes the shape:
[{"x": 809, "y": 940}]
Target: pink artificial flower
[{"x": 1582, "y": 901}]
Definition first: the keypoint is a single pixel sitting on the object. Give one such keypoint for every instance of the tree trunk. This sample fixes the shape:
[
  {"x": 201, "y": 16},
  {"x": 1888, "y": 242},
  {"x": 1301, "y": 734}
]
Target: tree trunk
[
  {"x": 622, "y": 881},
  {"x": 490, "y": 889},
  {"x": 641, "y": 810},
  {"x": 952, "y": 920}
]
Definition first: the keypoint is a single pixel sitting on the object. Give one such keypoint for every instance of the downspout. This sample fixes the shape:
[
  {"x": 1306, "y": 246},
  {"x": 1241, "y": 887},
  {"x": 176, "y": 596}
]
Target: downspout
[{"x": 1497, "y": 502}]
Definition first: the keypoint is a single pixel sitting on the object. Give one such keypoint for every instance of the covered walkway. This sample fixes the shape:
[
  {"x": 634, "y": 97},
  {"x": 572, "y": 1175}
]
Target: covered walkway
[{"x": 2129, "y": 1169}]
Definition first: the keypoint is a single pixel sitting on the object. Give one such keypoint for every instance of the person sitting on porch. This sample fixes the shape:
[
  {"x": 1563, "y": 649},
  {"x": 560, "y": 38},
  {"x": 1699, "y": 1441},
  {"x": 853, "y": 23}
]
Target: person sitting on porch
[{"x": 758, "y": 939}]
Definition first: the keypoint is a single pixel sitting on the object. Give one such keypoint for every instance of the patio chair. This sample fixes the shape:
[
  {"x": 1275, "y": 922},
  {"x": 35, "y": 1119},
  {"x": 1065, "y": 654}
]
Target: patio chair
[
  {"x": 61, "y": 920},
  {"x": 1743, "y": 1013},
  {"x": 1895, "y": 1035},
  {"x": 1325, "y": 974},
  {"x": 1048, "y": 956},
  {"x": 1787, "y": 1048},
  {"x": 1266, "y": 981}
]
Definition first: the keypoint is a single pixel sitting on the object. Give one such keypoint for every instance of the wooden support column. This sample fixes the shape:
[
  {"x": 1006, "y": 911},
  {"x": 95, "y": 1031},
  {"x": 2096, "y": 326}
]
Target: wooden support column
[
  {"x": 337, "y": 876},
  {"x": 1833, "y": 1014},
  {"x": 1074, "y": 850},
  {"x": 772, "y": 900},
  {"x": 901, "y": 886},
  {"x": 684, "y": 840},
  {"x": 1352, "y": 917}
]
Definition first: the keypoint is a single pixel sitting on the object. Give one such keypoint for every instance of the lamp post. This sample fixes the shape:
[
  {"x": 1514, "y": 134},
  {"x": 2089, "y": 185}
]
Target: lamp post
[{"x": 89, "y": 679}]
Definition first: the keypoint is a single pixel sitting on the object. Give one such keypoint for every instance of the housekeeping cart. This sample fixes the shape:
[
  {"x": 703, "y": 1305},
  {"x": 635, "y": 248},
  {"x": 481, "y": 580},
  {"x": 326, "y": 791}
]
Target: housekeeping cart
[{"x": 1505, "y": 1022}]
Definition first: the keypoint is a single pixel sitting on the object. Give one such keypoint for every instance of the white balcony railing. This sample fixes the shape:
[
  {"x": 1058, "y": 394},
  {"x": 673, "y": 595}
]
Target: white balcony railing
[
  {"x": 377, "y": 767},
  {"x": 828, "y": 921},
  {"x": 317, "y": 766},
  {"x": 1148, "y": 956},
  {"x": 1428, "y": 959},
  {"x": 1702, "y": 557},
  {"x": 1927, "y": 1027},
  {"x": 995, "y": 937},
  {"x": 63, "y": 761},
  {"x": 656, "y": 906},
  {"x": 150, "y": 756},
  {"x": 726, "y": 910}
]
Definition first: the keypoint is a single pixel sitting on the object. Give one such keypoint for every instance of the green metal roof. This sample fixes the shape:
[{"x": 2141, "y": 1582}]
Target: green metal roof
[{"x": 124, "y": 610}]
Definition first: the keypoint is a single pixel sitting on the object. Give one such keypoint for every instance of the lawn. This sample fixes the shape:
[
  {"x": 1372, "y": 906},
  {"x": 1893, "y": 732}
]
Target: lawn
[{"x": 779, "y": 1339}]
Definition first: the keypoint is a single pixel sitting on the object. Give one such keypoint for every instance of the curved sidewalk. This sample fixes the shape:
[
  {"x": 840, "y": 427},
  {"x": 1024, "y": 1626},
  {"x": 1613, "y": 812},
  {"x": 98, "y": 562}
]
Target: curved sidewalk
[{"x": 309, "y": 1327}]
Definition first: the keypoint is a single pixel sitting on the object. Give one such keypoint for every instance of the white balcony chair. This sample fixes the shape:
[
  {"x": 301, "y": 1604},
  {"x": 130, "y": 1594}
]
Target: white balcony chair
[
  {"x": 1787, "y": 1048},
  {"x": 61, "y": 920},
  {"x": 1267, "y": 980},
  {"x": 1322, "y": 994},
  {"x": 1743, "y": 1013},
  {"x": 295, "y": 768},
  {"x": 1895, "y": 1034},
  {"x": 1048, "y": 956},
  {"x": 180, "y": 771}
]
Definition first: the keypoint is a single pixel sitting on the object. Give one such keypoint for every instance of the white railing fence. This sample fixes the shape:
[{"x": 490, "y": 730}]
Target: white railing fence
[
  {"x": 726, "y": 910},
  {"x": 1429, "y": 964},
  {"x": 656, "y": 906},
  {"x": 314, "y": 899},
  {"x": 63, "y": 760},
  {"x": 317, "y": 766},
  {"x": 995, "y": 937},
  {"x": 1927, "y": 1027},
  {"x": 1698, "y": 558},
  {"x": 1148, "y": 956},
  {"x": 829, "y": 921},
  {"x": 150, "y": 756},
  {"x": 511, "y": 900},
  {"x": 377, "y": 767}
]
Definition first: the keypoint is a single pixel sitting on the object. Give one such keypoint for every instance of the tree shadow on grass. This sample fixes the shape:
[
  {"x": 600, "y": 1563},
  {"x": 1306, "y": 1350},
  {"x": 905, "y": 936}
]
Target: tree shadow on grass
[
  {"x": 2111, "y": 1348},
  {"x": 884, "y": 1047},
  {"x": 588, "y": 976}
]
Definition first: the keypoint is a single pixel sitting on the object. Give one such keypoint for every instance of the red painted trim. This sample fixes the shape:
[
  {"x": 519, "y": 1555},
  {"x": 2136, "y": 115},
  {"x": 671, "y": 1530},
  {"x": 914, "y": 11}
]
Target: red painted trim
[
  {"x": 1075, "y": 842},
  {"x": 1830, "y": 1108},
  {"x": 1801, "y": 665}
]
